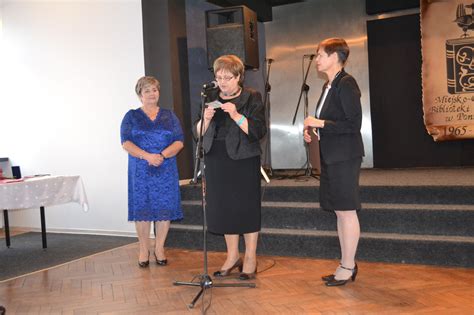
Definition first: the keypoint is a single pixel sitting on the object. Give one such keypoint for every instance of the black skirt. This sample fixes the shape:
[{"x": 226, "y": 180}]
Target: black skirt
[
  {"x": 233, "y": 192},
  {"x": 339, "y": 185}
]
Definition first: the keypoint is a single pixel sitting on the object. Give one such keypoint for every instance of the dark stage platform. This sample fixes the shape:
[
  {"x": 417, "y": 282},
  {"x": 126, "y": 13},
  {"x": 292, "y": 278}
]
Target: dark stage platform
[
  {"x": 421, "y": 215},
  {"x": 455, "y": 176}
]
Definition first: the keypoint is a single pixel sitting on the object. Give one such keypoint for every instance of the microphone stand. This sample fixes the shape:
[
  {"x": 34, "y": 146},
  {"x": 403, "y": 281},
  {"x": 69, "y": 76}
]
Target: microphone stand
[
  {"x": 205, "y": 281},
  {"x": 266, "y": 104},
  {"x": 304, "y": 90}
]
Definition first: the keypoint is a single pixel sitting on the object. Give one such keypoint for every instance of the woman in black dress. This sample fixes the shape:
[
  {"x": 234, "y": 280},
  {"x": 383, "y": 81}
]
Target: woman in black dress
[
  {"x": 232, "y": 132},
  {"x": 338, "y": 120}
]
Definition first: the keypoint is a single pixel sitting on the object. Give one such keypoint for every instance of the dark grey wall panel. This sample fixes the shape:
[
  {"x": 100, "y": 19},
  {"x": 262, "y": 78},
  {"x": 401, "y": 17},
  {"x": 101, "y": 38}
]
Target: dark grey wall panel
[
  {"x": 166, "y": 58},
  {"x": 399, "y": 135}
]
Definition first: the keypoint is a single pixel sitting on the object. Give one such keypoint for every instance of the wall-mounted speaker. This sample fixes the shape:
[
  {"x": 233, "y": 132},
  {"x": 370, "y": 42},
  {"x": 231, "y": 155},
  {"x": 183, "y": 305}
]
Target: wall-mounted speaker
[{"x": 232, "y": 31}]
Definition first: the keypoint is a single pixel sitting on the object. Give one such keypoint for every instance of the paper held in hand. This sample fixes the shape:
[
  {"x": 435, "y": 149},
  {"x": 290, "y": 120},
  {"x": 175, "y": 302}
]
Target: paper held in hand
[
  {"x": 214, "y": 104},
  {"x": 314, "y": 157}
]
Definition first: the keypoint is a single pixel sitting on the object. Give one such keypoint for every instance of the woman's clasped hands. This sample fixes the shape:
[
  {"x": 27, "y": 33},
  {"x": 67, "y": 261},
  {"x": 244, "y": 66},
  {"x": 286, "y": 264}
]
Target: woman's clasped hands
[{"x": 154, "y": 159}]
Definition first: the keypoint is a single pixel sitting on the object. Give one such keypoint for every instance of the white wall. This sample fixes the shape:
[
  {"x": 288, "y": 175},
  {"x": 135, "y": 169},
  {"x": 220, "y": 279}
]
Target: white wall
[{"x": 67, "y": 76}]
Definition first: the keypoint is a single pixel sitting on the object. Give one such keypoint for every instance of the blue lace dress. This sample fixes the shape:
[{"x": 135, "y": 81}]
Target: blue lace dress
[{"x": 153, "y": 192}]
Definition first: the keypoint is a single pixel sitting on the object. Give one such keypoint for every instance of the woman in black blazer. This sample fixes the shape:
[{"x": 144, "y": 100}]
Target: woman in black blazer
[
  {"x": 337, "y": 122},
  {"x": 232, "y": 132}
]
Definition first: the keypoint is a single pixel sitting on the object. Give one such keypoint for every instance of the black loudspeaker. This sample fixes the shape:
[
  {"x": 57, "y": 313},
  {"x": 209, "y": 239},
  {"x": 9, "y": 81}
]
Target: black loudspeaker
[
  {"x": 232, "y": 31},
  {"x": 377, "y": 6},
  {"x": 16, "y": 172}
]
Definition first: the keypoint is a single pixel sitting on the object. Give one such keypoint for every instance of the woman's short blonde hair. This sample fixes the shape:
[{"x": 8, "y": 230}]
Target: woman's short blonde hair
[
  {"x": 232, "y": 64},
  {"x": 335, "y": 45},
  {"x": 145, "y": 81}
]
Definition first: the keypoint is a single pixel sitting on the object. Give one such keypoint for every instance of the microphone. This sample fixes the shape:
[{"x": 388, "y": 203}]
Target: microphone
[
  {"x": 311, "y": 56},
  {"x": 210, "y": 85},
  {"x": 270, "y": 60}
]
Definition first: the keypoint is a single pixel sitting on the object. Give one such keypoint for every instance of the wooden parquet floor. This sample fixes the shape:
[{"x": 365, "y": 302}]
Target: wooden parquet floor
[{"x": 112, "y": 283}]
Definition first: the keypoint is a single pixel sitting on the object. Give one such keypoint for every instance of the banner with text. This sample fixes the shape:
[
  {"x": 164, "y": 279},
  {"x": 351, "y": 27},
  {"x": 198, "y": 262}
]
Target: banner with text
[{"x": 447, "y": 30}]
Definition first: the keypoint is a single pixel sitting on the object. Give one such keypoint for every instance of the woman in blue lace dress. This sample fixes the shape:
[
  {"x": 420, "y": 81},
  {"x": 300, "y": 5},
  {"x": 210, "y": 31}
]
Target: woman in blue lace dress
[{"x": 152, "y": 136}]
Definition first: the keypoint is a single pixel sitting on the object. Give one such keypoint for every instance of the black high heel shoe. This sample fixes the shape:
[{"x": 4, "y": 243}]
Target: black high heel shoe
[
  {"x": 144, "y": 264},
  {"x": 163, "y": 262},
  {"x": 334, "y": 282},
  {"x": 224, "y": 273},
  {"x": 328, "y": 277},
  {"x": 247, "y": 276}
]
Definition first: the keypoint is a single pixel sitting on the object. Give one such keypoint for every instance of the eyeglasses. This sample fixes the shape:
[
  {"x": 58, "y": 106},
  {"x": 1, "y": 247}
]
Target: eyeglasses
[{"x": 227, "y": 79}]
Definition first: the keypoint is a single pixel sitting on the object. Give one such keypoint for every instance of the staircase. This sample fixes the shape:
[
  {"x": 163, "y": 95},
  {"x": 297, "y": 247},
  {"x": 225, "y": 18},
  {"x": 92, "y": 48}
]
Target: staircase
[{"x": 431, "y": 225}]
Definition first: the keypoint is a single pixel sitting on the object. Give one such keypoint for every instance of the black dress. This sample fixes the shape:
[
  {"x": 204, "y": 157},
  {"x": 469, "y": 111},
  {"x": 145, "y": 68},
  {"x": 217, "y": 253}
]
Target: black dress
[{"x": 233, "y": 185}]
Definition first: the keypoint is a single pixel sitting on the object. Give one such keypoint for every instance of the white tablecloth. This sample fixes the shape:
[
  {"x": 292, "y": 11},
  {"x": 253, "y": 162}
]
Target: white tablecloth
[{"x": 43, "y": 191}]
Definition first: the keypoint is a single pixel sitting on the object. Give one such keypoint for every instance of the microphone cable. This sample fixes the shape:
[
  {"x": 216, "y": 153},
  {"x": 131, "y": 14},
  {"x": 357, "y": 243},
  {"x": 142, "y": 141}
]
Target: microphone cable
[{"x": 261, "y": 238}]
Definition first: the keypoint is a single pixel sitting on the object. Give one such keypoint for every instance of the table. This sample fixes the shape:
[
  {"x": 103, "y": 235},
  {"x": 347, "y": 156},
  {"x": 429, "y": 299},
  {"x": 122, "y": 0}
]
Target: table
[{"x": 39, "y": 192}]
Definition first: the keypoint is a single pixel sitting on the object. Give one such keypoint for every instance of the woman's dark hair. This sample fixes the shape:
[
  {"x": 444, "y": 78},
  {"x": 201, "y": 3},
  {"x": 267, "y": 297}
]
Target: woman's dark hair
[{"x": 335, "y": 45}]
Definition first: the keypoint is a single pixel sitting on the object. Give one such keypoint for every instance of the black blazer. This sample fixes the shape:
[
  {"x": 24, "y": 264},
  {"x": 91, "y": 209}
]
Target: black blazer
[
  {"x": 239, "y": 145},
  {"x": 340, "y": 139}
]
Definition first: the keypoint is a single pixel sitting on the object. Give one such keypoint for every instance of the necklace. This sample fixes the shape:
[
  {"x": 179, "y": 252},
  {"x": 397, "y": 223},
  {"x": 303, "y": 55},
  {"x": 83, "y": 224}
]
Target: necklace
[
  {"x": 338, "y": 73},
  {"x": 232, "y": 94}
]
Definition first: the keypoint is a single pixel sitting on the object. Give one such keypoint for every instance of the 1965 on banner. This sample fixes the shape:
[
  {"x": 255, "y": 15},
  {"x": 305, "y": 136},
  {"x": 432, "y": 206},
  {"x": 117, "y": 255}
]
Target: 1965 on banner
[{"x": 447, "y": 30}]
